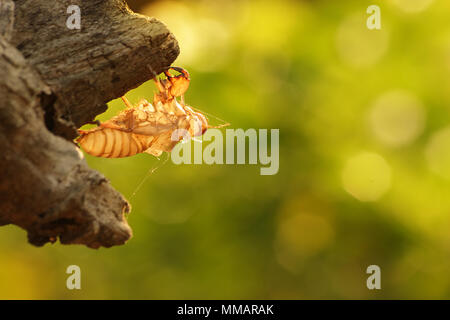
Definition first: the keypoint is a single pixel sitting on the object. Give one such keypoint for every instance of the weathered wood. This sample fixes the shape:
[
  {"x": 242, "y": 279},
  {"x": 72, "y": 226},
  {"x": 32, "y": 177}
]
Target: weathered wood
[
  {"x": 6, "y": 18},
  {"x": 53, "y": 80},
  {"x": 103, "y": 60},
  {"x": 46, "y": 187}
]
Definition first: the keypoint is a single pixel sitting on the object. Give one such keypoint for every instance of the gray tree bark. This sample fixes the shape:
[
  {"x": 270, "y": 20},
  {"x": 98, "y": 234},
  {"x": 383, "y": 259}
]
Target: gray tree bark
[{"x": 52, "y": 81}]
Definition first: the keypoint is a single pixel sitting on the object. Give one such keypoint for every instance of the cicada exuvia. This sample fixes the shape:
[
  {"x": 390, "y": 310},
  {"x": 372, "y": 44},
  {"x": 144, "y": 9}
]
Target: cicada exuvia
[{"x": 147, "y": 127}]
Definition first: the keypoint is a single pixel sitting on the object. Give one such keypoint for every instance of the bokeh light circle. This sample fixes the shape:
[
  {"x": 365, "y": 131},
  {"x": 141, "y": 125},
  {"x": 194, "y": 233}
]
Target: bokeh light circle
[
  {"x": 438, "y": 153},
  {"x": 366, "y": 176},
  {"x": 358, "y": 46},
  {"x": 301, "y": 235},
  {"x": 204, "y": 41},
  {"x": 397, "y": 118}
]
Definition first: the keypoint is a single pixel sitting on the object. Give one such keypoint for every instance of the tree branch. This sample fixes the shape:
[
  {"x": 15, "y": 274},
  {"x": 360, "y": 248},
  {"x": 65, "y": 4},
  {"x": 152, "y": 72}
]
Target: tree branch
[{"x": 55, "y": 81}]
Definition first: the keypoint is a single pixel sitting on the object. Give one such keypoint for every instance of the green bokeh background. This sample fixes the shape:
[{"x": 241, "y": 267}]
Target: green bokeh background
[{"x": 345, "y": 196}]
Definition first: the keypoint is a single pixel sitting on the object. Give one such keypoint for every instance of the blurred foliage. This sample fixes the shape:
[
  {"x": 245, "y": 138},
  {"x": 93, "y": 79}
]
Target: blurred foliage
[{"x": 364, "y": 163}]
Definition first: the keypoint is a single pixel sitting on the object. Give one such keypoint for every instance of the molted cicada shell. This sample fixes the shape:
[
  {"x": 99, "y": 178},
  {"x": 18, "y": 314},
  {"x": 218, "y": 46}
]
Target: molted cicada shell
[{"x": 147, "y": 127}]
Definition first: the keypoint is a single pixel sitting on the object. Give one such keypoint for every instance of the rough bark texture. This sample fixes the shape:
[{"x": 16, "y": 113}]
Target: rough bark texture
[{"x": 53, "y": 80}]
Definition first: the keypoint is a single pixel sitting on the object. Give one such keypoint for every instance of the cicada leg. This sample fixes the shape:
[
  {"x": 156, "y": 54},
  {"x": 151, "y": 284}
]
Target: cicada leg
[
  {"x": 127, "y": 103},
  {"x": 184, "y": 74}
]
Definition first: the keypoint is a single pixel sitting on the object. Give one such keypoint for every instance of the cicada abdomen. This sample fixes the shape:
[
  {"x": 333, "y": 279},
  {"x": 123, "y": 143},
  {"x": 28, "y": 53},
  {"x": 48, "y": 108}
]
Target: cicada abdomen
[
  {"x": 113, "y": 143},
  {"x": 147, "y": 127}
]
